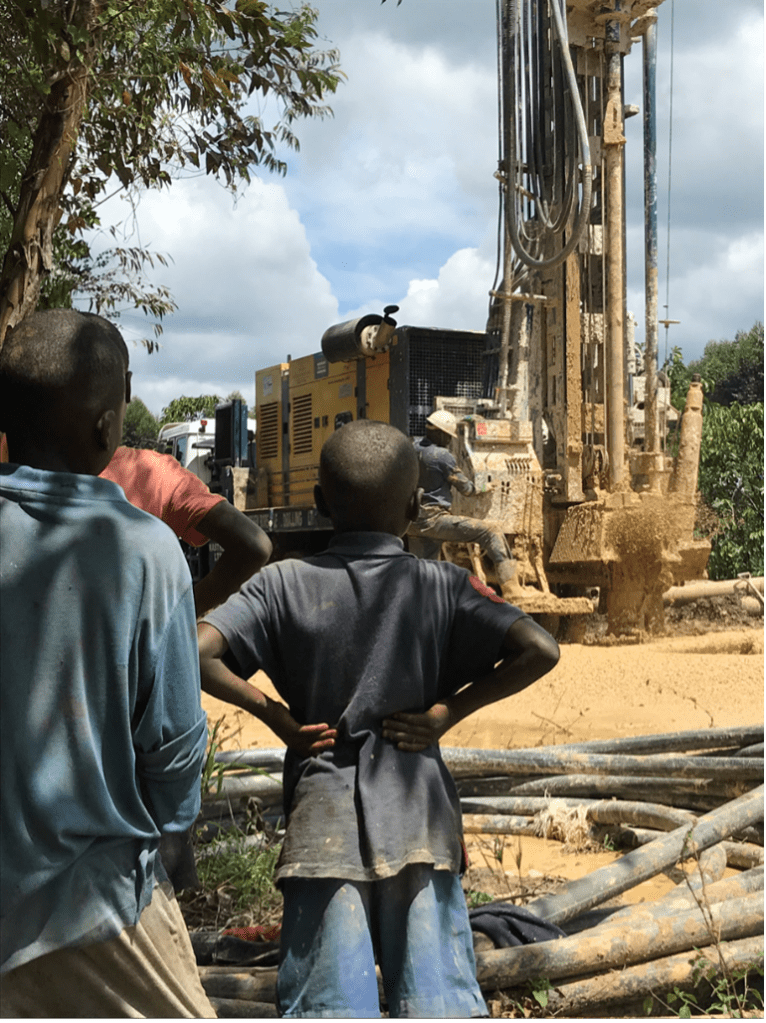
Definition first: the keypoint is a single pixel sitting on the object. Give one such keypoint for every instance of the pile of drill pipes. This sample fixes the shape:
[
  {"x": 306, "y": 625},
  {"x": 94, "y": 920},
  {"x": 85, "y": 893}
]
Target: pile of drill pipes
[{"x": 674, "y": 796}]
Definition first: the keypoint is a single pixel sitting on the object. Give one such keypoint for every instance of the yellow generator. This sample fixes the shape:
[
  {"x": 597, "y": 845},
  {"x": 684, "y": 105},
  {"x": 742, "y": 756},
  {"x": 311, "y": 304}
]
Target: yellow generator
[{"x": 367, "y": 369}]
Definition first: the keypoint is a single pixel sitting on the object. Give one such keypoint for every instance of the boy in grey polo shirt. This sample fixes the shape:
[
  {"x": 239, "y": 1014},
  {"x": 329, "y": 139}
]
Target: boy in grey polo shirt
[{"x": 376, "y": 654}]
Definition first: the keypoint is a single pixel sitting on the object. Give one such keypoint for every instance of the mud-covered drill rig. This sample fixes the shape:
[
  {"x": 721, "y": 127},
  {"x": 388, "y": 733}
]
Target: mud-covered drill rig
[
  {"x": 615, "y": 515},
  {"x": 543, "y": 394}
]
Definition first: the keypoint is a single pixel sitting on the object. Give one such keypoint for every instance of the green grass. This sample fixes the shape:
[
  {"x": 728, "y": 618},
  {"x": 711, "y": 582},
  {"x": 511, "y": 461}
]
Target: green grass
[{"x": 245, "y": 873}]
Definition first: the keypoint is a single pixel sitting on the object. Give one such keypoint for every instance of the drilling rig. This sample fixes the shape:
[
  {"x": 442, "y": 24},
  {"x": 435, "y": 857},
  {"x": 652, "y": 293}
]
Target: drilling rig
[{"x": 588, "y": 498}]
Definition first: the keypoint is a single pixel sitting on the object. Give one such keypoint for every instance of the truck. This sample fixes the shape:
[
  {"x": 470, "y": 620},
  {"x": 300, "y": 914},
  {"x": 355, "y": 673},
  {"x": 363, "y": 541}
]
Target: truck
[
  {"x": 552, "y": 409},
  {"x": 211, "y": 448}
]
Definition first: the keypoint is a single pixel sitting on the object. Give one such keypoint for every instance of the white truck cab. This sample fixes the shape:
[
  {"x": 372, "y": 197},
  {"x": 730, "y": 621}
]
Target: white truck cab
[{"x": 192, "y": 444}]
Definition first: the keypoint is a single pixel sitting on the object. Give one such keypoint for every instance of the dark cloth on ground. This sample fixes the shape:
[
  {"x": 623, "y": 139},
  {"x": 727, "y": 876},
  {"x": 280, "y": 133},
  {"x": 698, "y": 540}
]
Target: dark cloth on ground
[{"x": 509, "y": 925}]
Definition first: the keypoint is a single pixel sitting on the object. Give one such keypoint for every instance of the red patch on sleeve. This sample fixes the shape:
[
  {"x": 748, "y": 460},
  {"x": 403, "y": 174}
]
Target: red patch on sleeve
[{"x": 484, "y": 590}]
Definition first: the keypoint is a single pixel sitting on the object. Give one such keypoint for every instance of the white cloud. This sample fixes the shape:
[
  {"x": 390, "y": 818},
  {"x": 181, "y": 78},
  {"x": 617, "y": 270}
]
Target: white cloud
[
  {"x": 730, "y": 278},
  {"x": 457, "y": 299},
  {"x": 411, "y": 149},
  {"x": 246, "y": 286},
  {"x": 394, "y": 196},
  {"x": 157, "y": 392}
]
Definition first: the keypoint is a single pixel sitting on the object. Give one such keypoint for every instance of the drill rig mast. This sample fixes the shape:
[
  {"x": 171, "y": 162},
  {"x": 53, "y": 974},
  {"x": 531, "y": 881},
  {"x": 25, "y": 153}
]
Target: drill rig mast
[{"x": 613, "y": 516}]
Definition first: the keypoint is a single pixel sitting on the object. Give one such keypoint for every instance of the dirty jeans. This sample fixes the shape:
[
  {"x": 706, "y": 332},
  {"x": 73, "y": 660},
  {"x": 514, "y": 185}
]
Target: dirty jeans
[
  {"x": 435, "y": 524},
  {"x": 417, "y": 924}
]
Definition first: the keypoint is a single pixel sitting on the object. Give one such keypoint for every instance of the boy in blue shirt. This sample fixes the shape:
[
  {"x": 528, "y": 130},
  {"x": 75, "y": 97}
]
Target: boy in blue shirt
[
  {"x": 102, "y": 736},
  {"x": 377, "y": 654}
]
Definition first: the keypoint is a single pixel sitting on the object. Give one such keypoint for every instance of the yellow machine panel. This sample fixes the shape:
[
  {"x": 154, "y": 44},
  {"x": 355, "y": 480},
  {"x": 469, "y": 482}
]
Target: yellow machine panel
[
  {"x": 377, "y": 389},
  {"x": 300, "y": 404},
  {"x": 270, "y": 412}
]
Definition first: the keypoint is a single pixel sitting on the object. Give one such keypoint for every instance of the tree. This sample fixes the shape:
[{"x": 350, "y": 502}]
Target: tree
[
  {"x": 98, "y": 92},
  {"x": 731, "y": 455},
  {"x": 731, "y": 484},
  {"x": 736, "y": 367},
  {"x": 140, "y": 427},
  {"x": 186, "y": 410},
  {"x": 731, "y": 371}
]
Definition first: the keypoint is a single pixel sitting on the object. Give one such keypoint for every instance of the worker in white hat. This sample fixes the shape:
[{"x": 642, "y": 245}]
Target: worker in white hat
[{"x": 439, "y": 473}]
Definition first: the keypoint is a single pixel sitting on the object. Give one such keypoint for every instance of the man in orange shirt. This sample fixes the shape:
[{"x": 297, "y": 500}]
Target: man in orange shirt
[{"x": 159, "y": 485}]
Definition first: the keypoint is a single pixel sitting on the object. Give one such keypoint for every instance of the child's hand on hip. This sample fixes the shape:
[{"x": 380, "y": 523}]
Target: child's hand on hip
[
  {"x": 415, "y": 732},
  {"x": 305, "y": 740}
]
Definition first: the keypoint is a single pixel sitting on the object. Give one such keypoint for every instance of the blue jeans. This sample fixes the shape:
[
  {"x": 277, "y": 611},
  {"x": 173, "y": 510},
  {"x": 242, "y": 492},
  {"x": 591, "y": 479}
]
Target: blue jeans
[{"x": 417, "y": 925}]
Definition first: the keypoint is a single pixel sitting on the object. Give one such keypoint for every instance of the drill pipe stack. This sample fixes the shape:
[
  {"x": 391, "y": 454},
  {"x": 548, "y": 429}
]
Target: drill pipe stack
[{"x": 694, "y": 795}]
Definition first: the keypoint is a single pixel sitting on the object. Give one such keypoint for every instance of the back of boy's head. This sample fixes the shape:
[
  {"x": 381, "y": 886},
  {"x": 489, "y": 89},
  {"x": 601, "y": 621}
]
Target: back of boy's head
[
  {"x": 368, "y": 473},
  {"x": 56, "y": 365}
]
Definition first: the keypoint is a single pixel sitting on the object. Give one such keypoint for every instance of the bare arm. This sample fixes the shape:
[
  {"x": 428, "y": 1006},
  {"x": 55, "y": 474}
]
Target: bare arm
[
  {"x": 532, "y": 653},
  {"x": 246, "y": 549},
  {"x": 223, "y": 684}
]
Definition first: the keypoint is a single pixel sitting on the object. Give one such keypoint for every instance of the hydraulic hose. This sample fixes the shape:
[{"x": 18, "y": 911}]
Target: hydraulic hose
[{"x": 528, "y": 70}]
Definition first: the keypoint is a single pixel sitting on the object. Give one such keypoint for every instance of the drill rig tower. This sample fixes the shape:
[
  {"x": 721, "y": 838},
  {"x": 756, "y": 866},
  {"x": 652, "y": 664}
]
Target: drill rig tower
[{"x": 613, "y": 515}]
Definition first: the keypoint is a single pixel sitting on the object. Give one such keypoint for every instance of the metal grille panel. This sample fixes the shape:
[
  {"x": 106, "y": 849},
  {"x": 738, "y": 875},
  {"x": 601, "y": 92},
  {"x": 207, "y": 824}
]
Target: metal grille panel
[
  {"x": 441, "y": 364},
  {"x": 302, "y": 425},
  {"x": 267, "y": 437}
]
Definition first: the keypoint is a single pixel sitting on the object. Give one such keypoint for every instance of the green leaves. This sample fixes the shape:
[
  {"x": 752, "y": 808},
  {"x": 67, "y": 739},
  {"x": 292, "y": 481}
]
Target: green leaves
[
  {"x": 731, "y": 483},
  {"x": 168, "y": 82},
  {"x": 731, "y": 459},
  {"x": 140, "y": 427},
  {"x": 186, "y": 410}
]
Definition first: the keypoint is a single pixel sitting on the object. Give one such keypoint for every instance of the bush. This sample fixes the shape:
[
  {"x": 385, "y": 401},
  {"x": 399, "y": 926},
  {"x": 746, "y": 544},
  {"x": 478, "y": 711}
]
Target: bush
[{"x": 731, "y": 484}]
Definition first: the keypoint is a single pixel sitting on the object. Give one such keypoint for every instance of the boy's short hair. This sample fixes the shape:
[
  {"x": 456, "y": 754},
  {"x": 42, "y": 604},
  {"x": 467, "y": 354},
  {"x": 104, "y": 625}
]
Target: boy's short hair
[
  {"x": 369, "y": 463},
  {"x": 58, "y": 356}
]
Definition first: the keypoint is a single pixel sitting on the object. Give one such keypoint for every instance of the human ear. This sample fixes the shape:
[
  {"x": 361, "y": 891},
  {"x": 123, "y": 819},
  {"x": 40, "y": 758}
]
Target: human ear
[
  {"x": 413, "y": 505},
  {"x": 319, "y": 500},
  {"x": 107, "y": 427}
]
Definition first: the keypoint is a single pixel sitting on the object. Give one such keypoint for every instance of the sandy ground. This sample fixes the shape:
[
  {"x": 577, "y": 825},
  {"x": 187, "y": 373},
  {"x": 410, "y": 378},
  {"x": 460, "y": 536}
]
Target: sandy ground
[{"x": 595, "y": 692}]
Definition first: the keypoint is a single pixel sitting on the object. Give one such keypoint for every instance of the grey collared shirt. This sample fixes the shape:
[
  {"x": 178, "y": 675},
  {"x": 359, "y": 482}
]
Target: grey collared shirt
[{"x": 349, "y": 637}]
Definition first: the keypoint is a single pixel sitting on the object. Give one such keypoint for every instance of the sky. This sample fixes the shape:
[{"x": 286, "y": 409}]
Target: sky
[{"x": 393, "y": 200}]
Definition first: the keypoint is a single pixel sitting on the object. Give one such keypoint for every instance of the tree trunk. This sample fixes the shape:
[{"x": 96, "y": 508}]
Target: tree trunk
[{"x": 30, "y": 252}]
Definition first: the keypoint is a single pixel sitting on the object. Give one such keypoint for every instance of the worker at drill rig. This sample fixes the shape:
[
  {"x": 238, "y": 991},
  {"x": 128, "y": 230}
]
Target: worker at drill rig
[{"x": 439, "y": 472}]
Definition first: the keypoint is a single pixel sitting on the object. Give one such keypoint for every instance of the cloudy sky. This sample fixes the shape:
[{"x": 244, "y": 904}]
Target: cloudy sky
[{"x": 393, "y": 200}]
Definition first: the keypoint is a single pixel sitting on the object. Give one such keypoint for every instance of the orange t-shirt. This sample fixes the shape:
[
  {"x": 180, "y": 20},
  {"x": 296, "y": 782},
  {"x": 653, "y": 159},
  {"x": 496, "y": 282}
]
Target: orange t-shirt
[{"x": 161, "y": 486}]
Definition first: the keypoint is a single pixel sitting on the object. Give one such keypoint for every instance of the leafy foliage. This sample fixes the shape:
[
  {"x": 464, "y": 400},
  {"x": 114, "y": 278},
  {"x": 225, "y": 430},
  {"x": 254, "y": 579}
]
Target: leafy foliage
[
  {"x": 186, "y": 410},
  {"x": 731, "y": 458},
  {"x": 736, "y": 367},
  {"x": 731, "y": 371},
  {"x": 140, "y": 427},
  {"x": 731, "y": 483},
  {"x": 245, "y": 873},
  {"x": 717, "y": 992},
  {"x": 149, "y": 88}
]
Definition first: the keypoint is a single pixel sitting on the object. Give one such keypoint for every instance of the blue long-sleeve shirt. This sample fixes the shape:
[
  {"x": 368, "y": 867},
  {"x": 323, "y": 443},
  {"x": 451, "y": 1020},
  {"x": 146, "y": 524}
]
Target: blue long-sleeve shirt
[{"x": 102, "y": 736}]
